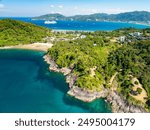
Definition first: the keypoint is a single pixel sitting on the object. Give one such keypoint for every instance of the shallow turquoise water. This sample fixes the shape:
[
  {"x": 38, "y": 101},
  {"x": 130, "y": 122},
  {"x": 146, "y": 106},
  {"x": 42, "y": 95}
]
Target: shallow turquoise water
[{"x": 26, "y": 85}]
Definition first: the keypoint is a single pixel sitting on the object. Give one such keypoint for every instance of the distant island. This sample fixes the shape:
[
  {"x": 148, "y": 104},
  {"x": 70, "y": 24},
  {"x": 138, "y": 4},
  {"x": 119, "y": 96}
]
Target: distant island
[
  {"x": 133, "y": 17},
  {"x": 113, "y": 65}
]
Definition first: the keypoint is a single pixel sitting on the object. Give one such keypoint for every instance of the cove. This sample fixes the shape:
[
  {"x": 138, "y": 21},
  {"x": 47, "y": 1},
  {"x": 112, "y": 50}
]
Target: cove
[{"x": 27, "y": 86}]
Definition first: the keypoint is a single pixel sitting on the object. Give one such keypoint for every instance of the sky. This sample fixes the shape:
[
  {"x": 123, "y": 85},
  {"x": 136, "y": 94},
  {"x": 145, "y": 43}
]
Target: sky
[{"x": 27, "y": 8}]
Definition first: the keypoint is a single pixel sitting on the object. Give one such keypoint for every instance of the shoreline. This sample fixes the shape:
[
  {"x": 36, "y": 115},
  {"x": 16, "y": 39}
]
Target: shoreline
[
  {"x": 131, "y": 22},
  {"x": 75, "y": 91},
  {"x": 34, "y": 46},
  {"x": 65, "y": 30},
  {"x": 118, "y": 103},
  {"x": 126, "y": 22}
]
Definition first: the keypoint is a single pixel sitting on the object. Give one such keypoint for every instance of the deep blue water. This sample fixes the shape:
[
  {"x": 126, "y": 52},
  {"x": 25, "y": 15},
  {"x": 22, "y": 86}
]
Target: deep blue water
[
  {"x": 26, "y": 85},
  {"x": 84, "y": 26}
]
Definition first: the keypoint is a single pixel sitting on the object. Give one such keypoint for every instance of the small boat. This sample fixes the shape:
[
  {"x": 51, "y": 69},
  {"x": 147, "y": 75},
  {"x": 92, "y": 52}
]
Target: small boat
[{"x": 50, "y": 22}]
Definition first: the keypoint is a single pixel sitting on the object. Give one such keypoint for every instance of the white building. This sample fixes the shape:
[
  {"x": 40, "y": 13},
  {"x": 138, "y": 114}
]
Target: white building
[
  {"x": 135, "y": 34},
  {"x": 122, "y": 38},
  {"x": 82, "y": 36}
]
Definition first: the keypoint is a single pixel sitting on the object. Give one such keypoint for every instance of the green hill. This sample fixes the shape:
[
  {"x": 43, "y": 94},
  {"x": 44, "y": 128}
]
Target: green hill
[
  {"x": 14, "y": 32},
  {"x": 95, "y": 59},
  {"x": 51, "y": 17},
  {"x": 135, "y": 16}
]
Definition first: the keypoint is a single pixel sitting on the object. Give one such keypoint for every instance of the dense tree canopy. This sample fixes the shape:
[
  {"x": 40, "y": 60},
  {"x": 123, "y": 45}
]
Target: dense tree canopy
[
  {"x": 83, "y": 55},
  {"x": 95, "y": 58},
  {"x": 99, "y": 50},
  {"x": 14, "y": 32},
  {"x": 133, "y": 59}
]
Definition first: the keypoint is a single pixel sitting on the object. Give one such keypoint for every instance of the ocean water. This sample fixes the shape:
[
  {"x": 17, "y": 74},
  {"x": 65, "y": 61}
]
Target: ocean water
[
  {"x": 84, "y": 26},
  {"x": 87, "y": 26},
  {"x": 27, "y": 86}
]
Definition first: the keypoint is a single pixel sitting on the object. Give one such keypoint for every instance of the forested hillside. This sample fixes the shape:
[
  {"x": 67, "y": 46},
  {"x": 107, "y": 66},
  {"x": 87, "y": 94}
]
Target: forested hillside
[
  {"x": 135, "y": 16},
  {"x": 96, "y": 58},
  {"x": 14, "y": 32}
]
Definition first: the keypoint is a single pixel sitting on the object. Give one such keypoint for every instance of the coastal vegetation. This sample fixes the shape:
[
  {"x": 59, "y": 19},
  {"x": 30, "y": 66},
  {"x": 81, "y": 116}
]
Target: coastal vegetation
[
  {"x": 82, "y": 55},
  {"x": 14, "y": 32},
  {"x": 97, "y": 57},
  {"x": 98, "y": 60},
  {"x": 132, "y": 59}
]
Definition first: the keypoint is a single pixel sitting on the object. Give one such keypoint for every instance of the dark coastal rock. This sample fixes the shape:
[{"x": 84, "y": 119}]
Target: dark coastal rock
[
  {"x": 86, "y": 95},
  {"x": 119, "y": 104},
  {"x": 54, "y": 67},
  {"x": 70, "y": 79},
  {"x": 65, "y": 71}
]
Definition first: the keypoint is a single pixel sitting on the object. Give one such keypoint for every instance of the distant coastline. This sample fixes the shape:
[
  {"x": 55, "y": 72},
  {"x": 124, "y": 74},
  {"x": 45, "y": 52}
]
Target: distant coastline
[
  {"x": 65, "y": 30},
  {"x": 85, "y": 26},
  {"x": 130, "y": 22},
  {"x": 69, "y": 30},
  {"x": 85, "y": 96},
  {"x": 98, "y": 89},
  {"x": 131, "y": 17}
]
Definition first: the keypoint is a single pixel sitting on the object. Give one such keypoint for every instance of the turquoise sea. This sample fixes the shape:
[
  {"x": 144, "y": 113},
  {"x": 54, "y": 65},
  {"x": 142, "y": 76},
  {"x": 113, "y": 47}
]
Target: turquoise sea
[{"x": 26, "y": 85}]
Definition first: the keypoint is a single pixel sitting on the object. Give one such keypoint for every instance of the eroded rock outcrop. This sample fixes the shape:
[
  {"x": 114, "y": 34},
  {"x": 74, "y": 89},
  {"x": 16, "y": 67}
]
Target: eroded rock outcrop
[
  {"x": 85, "y": 95},
  {"x": 119, "y": 105}
]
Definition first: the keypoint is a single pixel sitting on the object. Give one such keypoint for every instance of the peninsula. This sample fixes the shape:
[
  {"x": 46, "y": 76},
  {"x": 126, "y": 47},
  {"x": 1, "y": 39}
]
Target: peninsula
[{"x": 112, "y": 65}]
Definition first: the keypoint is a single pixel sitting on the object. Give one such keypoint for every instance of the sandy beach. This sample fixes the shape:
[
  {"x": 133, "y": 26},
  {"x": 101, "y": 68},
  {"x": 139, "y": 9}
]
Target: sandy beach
[{"x": 33, "y": 46}]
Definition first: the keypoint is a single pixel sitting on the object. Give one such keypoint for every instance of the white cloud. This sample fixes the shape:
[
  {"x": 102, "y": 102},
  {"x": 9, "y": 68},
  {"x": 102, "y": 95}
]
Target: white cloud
[
  {"x": 88, "y": 11},
  {"x": 76, "y": 8},
  {"x": 1, "y": 6},
  {"x": 92, "y": 11},
  {"x": 54, "y": 12},
  {"x": 115, "y": 11},
  {"x": 59, "y": 12},
  {"x": 52, "y": 6},
  {"x": 60, "y": 6}
]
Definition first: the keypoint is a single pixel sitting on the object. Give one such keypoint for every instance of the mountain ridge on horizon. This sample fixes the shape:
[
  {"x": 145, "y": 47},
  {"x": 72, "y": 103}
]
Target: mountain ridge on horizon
[{"x": 134, "y": 16}]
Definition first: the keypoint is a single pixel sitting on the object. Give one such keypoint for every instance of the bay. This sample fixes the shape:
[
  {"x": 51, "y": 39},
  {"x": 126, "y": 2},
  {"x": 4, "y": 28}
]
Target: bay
[
  {"x": 83, "y": 25},
  {"x": 27, "y": 86}
]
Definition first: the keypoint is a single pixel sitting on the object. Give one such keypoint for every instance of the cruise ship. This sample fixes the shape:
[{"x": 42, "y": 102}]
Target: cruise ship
[{"x": 50, "y": 22}]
